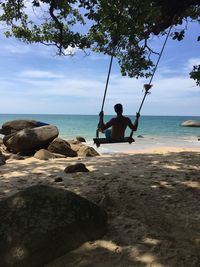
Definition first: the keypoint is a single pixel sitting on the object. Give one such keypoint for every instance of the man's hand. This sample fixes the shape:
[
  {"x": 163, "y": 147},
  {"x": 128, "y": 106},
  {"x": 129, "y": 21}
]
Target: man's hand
[
  {"x": 101, "y": 114},
  {"x": 137, "y": 115}
]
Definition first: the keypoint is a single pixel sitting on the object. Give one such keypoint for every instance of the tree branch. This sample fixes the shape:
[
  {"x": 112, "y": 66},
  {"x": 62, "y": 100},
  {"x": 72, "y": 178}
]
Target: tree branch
[{"x": 59, "y": 24}]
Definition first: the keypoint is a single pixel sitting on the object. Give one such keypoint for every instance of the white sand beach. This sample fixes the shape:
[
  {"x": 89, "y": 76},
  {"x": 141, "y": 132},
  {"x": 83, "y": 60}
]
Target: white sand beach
[{"x": 151, "y": 196}]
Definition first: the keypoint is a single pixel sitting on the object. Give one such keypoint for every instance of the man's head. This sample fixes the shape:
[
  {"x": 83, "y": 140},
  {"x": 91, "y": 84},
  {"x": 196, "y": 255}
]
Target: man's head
[{"x": 118, "y": 108}]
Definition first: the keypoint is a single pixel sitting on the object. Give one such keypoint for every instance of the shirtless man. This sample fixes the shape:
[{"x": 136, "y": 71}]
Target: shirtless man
[{"x": 118, "y": 124}]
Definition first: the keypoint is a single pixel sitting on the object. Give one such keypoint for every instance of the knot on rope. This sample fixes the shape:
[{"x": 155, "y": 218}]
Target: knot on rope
[{"x": 147, "y": 87}]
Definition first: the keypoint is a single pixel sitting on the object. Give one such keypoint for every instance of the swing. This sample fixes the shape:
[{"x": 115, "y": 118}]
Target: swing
[{"x": 98, "y": 141}]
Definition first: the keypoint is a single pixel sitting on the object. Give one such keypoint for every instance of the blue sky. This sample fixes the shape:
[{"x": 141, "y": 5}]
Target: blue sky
[{"x": 34, "y": 80}]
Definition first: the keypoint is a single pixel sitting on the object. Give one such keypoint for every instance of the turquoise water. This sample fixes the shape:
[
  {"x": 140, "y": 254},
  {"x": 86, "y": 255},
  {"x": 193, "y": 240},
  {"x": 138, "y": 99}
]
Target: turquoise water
[{"x": 154, "y": 127}]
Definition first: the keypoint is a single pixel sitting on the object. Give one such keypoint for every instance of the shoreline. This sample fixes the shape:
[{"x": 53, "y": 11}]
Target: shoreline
[{"x": 144, "y": 144}]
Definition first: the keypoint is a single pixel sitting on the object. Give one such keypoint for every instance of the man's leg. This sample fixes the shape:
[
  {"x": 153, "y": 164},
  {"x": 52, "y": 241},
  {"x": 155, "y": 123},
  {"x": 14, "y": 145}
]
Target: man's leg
[{"x": 108, "y": 133}]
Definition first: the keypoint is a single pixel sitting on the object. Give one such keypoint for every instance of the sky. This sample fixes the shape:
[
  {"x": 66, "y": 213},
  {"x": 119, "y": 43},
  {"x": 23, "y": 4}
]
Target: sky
[{"x": 33, "y": 80}]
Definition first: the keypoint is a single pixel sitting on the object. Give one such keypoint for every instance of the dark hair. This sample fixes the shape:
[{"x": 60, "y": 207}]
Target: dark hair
[{"x": 118, "y": 108}]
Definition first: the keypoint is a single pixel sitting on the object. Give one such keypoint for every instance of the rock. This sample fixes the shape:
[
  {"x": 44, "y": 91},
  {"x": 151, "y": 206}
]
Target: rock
[
  {"x": 86, "y": 151},
  {"x": 76, "y": 147},
  {"x": 58, "y": 180},
  {"x": 44, "y": 154},
  {"x": 78, "y": 167},
  {"x": 1, "y": 141},
  {"x": 18, "y": 125},
  {"x": 5, "y": 155},
  {"x": 5, "y": 132},
  {"x": 43, "y": 223},
  {"x": 15, "y": 157},
  {"x": 190, "y": 123},
  {"x": 58, "y": 156},
  {"x": 74, "y": 142},
  {"x": 61, "y": 146},
  {"x": 5, "y": 139},
  {"x": 31, "y": 139},
  {"x": 26, "y": 153},
  {"x": 105, "y": 201},
  {"x": 80, "y": 139},
  {"x": 140, "y": 136},
  {"x": 2, "y": 162}
]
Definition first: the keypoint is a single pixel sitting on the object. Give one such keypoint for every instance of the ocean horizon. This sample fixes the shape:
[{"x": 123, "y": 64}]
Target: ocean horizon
[{"x": 155, "y": 129}]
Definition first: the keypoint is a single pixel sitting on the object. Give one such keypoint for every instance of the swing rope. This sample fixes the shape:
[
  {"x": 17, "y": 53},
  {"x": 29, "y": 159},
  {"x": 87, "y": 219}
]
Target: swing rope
[
  {"x": 106, "y": 88},
  {"x": 148, "y": 86},
  {"x": 107, "y": 81}
]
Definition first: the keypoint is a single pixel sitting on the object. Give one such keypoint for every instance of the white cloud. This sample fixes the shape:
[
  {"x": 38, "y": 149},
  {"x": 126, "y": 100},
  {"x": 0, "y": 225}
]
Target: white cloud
[
  {"x": 70, "y": 50},
  {"x": 57, "y": 83},
  {"x": 28, "y": 74},
  {"x": 15, "y": 48},
  {"x": 192, "y": 62},
  {"x": 82, "y": 90}
]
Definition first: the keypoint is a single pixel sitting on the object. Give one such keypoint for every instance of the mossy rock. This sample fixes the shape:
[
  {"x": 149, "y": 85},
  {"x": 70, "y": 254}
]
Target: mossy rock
[{"x": 42, "y": 223}]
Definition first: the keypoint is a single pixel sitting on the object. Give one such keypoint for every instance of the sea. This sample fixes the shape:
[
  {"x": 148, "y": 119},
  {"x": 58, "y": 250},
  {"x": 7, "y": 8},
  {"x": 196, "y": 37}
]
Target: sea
[{"x": 153, "y": 131}]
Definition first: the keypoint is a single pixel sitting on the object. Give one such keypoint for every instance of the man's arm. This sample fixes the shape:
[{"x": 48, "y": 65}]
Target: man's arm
[
  {"x": 102, "y": 126},
  {"x": 134, "y": 126}
]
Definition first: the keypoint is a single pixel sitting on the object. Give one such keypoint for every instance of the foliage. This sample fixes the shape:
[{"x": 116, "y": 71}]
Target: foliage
[
  {"x": 48, "y": 22},
  {"x": 120, "y": 27},
  {"x": 195, "y": 74}
]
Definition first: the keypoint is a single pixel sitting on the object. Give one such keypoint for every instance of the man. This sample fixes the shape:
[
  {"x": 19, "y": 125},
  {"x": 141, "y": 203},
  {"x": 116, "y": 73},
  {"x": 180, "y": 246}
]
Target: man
[{"x": 118, "y": 124}]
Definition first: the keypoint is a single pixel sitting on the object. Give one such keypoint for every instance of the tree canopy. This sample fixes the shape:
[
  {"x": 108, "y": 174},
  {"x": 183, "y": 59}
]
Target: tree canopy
[{"x": 121, "y": 28}]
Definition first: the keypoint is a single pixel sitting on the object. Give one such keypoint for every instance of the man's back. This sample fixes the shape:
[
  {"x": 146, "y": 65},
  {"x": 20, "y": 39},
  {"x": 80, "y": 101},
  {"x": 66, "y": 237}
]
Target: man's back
[{"x": 119, "y": 125}]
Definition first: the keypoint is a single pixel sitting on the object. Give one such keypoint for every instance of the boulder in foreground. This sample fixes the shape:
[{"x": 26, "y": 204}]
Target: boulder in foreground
[
  {"x": 42, "y": 223},
  {"x": 190, "y": 123}
]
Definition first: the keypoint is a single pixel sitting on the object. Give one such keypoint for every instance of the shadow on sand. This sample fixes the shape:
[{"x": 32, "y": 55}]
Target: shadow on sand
[{"x": 152, "y": 201}]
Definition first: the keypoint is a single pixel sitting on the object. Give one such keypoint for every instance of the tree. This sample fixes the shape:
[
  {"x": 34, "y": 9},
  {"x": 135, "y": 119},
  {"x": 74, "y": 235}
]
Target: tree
[{"x": 121, "y": 28}]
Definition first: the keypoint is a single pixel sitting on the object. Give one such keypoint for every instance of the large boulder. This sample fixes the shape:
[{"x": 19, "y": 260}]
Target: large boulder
[
  {"x": 60, "y": 146},
  {"x": 191, "y": 123},
  {"x": 31, "y": 139},
  {"x": 42, "y": 223},
  {"x": 14, "y": 126}
]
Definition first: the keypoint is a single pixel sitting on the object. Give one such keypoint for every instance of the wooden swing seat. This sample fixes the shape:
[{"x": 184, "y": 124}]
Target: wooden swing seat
[{"x": 99, "y": 141}]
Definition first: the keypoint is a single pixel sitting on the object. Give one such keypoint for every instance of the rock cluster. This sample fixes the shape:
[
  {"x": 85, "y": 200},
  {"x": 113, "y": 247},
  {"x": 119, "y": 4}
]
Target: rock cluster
[
  {"x": 29, "y": 137},
  {"x": 41, "y": 222}
]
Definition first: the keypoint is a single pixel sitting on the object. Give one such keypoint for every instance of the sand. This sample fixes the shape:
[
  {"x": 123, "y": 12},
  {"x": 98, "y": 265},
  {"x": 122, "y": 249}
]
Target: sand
[{"x": 152, "y": 198}]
